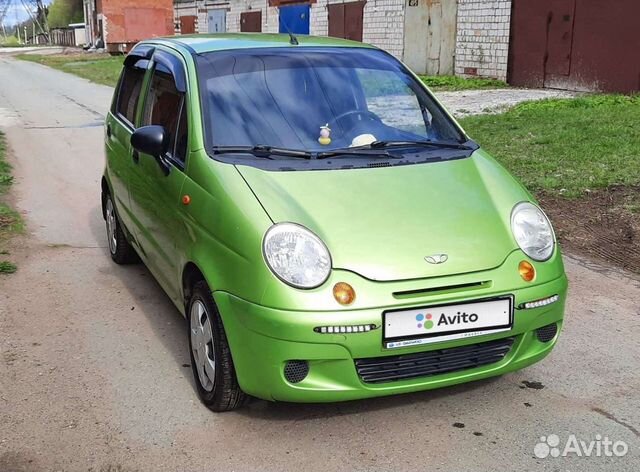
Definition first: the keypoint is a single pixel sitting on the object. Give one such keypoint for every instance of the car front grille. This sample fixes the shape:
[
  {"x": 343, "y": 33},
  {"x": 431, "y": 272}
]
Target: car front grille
[{"x": 439, "y": 361}]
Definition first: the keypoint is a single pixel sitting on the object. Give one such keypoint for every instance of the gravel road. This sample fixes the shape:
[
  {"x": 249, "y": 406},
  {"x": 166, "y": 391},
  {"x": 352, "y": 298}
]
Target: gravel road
[{"x": 94, "y": 365}]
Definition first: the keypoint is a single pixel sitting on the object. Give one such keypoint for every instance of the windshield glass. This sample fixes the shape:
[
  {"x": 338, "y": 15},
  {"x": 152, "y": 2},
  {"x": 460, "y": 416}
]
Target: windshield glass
[{"x": 315, "y": 99}]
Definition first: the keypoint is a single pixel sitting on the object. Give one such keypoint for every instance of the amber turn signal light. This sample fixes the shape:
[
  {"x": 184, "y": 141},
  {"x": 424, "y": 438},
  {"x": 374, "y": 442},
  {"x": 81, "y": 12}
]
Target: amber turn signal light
[
  {"x": 344, "y": 293},
  {"x": 527, "y": 271}
]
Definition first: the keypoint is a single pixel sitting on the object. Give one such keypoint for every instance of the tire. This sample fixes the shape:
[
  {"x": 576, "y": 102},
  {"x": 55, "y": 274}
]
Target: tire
[
  {"x": 215, "y": 378},
  {"x": 119, "y": 248}
]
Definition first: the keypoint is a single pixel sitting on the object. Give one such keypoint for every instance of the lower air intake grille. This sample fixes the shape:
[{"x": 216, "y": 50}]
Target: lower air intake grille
[
  {"x": 439, "y": 361},
  {"x": 547, "y": 333},
  {"x": 296, "y": 371}
]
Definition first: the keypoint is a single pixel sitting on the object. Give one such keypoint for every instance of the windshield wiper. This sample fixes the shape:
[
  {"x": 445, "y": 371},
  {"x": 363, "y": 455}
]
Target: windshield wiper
[
  {"x": 261, "y": 151},
  {"x": 436, "y": 144},
  {"x": 357, "y": 151}
]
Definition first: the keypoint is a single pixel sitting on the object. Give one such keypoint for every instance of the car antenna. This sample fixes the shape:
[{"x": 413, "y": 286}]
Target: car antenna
[{"x": 292, "y": 39}]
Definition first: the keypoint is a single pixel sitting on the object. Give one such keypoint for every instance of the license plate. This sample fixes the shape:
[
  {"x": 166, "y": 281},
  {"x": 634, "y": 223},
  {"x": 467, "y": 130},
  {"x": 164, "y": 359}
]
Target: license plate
[{"x": 438, "y": 323}]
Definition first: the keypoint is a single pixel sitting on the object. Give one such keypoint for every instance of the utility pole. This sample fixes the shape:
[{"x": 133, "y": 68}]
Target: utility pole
[{"x": 26, "y": 41}]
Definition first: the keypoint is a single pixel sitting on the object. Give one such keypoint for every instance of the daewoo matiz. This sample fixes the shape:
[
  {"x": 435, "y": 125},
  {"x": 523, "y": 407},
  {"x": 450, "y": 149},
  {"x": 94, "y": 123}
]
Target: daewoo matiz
[{"x": 327, "y": 229}]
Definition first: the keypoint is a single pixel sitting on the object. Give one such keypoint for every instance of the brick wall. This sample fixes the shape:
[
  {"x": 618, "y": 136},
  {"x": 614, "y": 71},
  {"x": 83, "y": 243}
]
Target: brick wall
[
  {"x": 383, "y": 22},
  {"x": 127, "y": 22},
  {"x": 382, "y": 25},
  {"x": 482, "y": 45}
]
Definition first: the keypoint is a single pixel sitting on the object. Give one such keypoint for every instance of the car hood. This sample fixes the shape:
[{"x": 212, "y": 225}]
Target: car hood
[{"x": 383, "y": 222}]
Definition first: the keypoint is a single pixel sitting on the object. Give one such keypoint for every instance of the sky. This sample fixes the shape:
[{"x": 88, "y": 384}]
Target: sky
[{"x": 17, "y": 13}]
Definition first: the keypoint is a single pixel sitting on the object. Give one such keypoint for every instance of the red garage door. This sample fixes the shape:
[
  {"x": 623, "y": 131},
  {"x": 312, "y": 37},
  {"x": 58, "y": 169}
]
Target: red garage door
[
  {"x": 575, "y": 44},
  {"x": 345, "y": 20}
]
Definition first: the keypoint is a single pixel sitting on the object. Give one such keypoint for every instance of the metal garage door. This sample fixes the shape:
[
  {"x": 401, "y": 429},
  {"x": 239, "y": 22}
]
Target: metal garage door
[
  {"x": 575, "y": 45},
  {"x": 294, "y": 19}
]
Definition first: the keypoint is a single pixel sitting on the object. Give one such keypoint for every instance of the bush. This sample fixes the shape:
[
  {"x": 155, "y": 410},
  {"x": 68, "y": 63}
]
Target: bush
[{"x": 9, "y": 42}]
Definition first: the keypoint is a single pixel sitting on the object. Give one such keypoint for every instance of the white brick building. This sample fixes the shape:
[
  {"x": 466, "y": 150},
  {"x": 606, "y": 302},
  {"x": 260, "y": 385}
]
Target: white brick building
[
  {"x": 468, "y": 37},
  {"x": 482, "y": 39}
]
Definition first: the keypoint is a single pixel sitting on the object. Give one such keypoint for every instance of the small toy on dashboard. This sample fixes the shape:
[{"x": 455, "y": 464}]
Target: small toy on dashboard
[{"x": 325, "y": 133}]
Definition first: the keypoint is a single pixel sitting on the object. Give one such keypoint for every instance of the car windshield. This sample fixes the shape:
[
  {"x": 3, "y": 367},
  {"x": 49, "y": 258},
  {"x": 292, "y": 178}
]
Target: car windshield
[{"x": 315, "y": 99}]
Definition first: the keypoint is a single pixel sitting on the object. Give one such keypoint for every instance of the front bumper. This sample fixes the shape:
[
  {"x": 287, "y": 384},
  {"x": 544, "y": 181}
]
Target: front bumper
[{"x": 263, "y": 339}]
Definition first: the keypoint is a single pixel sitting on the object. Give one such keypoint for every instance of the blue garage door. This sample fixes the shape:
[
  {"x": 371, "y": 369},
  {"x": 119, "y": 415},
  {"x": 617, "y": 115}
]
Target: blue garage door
[{"x": 295, "y": 18}]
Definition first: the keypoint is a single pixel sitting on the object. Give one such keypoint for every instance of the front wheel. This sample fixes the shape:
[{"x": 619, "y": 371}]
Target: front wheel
[
  {"x": 119, "y": 248},
  {"x": 211, "y": 361}
]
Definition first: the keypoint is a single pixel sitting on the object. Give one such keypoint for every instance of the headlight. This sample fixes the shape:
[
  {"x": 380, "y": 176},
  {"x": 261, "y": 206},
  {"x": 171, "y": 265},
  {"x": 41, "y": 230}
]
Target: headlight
[
  {"x": 296, "y": 255},
  {"x": 532, "y": 231}
]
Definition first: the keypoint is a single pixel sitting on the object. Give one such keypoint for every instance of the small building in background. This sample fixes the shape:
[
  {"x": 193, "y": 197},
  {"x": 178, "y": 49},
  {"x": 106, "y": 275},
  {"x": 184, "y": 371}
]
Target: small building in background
[
  {"x": 567, "y": 44},
  {"x": 117, "y": 25},
  {"x": 435, "y": 37}
]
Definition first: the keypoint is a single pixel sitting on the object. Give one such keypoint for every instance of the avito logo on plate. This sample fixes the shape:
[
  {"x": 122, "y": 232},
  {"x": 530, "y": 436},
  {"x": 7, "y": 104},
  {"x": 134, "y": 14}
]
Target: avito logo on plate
[{"x": 426, "y": 321}]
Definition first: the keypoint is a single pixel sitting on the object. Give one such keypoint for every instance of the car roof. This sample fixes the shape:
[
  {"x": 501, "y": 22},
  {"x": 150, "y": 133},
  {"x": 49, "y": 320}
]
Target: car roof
[{"x": 202, "y": 43}]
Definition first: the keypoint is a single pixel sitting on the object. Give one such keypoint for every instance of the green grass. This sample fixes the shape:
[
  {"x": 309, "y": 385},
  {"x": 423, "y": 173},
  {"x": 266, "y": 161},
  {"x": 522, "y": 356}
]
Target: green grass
[
  {"x": 10, "y": 221},
  {"x": 450, "y": 82},
  {"x": 100, "y": 68},
  {"x": 566, "y": 146},
  {"x": 10, "y": 42}
]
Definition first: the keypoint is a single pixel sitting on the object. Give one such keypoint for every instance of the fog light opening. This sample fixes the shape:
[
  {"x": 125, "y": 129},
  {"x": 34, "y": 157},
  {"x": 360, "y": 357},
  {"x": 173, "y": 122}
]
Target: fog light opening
[
  {"x": 296, "y": 371},
  {"x": 547, "y": 333}
]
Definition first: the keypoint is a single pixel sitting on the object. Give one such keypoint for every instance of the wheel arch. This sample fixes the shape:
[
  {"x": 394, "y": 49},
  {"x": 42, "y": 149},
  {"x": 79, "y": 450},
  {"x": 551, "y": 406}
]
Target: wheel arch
[
  {"x": 104, "y": 185},
  {"x": 191, "y": 274}
]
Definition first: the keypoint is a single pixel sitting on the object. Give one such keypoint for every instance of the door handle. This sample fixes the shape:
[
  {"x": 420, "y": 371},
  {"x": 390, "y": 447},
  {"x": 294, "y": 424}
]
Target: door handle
[
  {"x": 108, "y": 131},
  {"x": 135, "y": 156}
]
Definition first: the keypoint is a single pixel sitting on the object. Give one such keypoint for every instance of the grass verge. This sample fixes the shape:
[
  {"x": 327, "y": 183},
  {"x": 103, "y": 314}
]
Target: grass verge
[
  {"x": 99, "y": 68},
  {"x": 450, "y": 82},
  {"x": 566, "y": 146},
  {"x": 10, "y": 221}
]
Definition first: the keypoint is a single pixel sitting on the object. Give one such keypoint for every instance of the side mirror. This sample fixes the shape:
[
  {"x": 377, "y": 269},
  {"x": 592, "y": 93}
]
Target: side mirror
[{"x": 152, "y": 140}]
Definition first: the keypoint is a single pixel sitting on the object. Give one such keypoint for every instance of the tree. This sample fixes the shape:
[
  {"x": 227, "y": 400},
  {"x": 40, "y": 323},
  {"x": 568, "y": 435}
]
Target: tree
[{"x": 63, "y": 12}]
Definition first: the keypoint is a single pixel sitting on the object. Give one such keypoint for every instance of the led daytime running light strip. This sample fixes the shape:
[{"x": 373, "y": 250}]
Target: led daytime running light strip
[
  {"x": 344, "y": 329},
  {"x": 541, "y": 302}
]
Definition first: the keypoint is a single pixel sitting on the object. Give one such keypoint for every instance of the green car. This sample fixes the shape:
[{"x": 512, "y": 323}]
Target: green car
[{"x": 327, "y": 229}]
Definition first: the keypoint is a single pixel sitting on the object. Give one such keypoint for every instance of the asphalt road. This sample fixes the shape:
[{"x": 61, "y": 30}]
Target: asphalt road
[{"x": 93, "y": 365}]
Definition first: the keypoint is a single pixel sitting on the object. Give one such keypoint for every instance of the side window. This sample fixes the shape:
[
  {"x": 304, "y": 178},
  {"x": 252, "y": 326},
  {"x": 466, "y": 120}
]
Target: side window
[
  {"x": 165, "y": 106},
  {"x": 129, "y": 92}
]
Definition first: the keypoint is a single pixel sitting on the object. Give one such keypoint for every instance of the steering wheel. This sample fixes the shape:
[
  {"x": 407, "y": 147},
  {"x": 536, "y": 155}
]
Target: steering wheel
[{"x": 364, "y": 113}]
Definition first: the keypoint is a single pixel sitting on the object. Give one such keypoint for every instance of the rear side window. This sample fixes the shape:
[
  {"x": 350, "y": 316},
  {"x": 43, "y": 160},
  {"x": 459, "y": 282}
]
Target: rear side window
[
  {"x": 165, "y": 106},
  {"x": 129, "y": 92}
]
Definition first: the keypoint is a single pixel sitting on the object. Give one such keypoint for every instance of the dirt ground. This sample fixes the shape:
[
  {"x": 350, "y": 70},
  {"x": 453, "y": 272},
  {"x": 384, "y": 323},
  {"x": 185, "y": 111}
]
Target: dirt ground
[{"x": 603, "y": 226}]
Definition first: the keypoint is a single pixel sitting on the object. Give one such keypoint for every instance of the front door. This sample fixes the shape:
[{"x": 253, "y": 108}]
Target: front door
[
  {"x": 119, "y": 127},
  {"x": 156, "y": 184},
  {"x": 430, "y": 36},
  {"x": 294, "y": 19},
  {"x": 217, "y": 21}
]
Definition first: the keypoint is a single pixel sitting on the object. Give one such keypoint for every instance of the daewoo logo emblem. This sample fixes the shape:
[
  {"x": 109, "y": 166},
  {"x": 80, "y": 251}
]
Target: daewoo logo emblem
[{"x": 436, "y": 258}]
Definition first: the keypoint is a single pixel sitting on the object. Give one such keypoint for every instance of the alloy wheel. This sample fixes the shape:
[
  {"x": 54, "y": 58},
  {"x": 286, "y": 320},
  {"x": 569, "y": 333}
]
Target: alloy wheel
[
  {"x": 111, "y": 226},
  {"x": 202, "y": 345}
]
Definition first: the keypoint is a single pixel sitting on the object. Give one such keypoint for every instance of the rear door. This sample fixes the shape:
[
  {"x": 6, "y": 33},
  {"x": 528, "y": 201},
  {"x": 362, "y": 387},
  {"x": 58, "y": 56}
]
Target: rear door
[
  {"x": 156, "y": 183},
  {"x": 119, "y": 127}
]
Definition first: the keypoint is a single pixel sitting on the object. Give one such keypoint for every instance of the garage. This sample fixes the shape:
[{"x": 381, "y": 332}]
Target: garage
[{"x": 583, "y": 45}]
